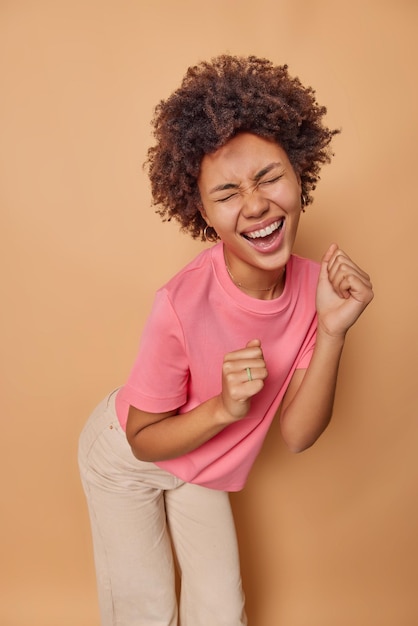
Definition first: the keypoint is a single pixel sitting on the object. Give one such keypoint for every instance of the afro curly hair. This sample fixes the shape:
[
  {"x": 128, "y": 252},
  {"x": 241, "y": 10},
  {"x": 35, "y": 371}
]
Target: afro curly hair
[{"x": 216, "y": 101}]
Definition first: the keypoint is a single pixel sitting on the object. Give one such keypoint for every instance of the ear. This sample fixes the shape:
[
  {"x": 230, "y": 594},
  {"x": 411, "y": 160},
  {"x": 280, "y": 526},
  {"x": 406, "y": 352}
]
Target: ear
[{"x": 204, "y": 214}]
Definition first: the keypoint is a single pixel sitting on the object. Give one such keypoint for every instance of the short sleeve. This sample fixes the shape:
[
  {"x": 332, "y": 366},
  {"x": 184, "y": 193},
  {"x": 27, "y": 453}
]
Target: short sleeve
[{"x": 159, "y": 378}]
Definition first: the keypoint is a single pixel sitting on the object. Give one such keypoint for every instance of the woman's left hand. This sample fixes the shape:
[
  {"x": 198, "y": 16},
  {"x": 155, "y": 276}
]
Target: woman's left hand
[{"x": 344, "y": 291}]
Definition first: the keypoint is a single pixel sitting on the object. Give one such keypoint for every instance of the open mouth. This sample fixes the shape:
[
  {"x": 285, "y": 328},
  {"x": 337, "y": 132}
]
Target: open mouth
[{"x": 265, "y": 235}]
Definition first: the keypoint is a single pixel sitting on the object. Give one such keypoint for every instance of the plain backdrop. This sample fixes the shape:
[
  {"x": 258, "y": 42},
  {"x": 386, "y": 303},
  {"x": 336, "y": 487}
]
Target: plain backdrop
[{"x": 328, "y": 537}]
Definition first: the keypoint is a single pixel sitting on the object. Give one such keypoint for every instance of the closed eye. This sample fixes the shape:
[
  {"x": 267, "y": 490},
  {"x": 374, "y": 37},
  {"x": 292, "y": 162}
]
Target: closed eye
[
  {"x": 232, "y": 195},
  {"x": 270, "y": 181}
]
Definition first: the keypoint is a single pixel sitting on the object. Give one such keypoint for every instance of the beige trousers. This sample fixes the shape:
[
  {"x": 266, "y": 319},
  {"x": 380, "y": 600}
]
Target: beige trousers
[{"x": 139, "y": 515}]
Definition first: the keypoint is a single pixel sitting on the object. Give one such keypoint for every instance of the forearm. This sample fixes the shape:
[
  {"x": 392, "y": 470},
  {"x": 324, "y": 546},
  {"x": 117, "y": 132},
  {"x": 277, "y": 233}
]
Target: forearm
[
  {"x": 308, "y": 410},
  {"x": 175, "y": 435}
]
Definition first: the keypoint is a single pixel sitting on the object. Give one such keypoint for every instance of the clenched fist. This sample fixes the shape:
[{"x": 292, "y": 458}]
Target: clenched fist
[{"x": 243, "y": 375}]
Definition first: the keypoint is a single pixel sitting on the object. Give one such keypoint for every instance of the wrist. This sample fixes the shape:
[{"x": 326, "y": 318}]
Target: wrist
[
  {"x": 326, "y": 337},
  {"x": 223, "y": 417}
]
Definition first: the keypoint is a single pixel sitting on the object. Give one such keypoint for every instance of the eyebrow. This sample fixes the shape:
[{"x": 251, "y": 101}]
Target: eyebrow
[{"x": 260, "y": 174}]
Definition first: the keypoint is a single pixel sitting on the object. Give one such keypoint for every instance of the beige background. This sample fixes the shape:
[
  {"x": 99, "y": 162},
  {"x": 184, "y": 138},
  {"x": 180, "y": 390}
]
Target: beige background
[{"x": 329, "y": 537}]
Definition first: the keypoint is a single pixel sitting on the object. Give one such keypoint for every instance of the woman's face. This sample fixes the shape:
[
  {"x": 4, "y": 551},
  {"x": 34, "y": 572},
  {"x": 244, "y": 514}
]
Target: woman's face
[{"x": 251, "y": 196}]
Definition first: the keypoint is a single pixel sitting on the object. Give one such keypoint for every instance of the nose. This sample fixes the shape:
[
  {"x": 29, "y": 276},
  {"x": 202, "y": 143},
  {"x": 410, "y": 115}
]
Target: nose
[{"x": 254, "y": 204}]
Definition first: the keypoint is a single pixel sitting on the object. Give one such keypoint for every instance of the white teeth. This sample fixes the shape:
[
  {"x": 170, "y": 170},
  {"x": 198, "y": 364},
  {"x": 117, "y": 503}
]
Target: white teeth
[{"x": 256, "y": 234}]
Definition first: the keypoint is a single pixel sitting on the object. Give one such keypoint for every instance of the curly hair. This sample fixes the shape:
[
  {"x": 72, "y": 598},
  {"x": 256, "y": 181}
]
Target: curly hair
[{"x": 216, "y": 101}]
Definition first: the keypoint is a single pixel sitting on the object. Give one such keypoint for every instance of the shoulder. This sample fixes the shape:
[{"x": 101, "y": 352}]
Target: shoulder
[
  {"x": 304, "y": 270},
  {"x": 302, "y": 279},
  {"x": 192, "y": 277}
]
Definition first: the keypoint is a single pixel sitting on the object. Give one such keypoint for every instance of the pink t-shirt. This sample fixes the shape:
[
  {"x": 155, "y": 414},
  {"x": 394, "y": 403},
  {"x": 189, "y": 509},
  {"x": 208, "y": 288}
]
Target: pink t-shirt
[{"x": 198, "y": 317}]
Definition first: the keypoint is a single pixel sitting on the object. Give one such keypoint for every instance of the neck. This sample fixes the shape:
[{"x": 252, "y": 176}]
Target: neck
[{"x": 273, "y": 290}]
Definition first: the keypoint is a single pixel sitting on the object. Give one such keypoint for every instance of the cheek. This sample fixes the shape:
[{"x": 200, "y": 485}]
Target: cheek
[
  {"x": 223, "y": 221},
  {"x": 289, "y": 198},
  {"x": 223, "y": 216}
]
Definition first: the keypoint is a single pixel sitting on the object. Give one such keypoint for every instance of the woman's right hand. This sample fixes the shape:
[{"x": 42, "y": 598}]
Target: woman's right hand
[
  {"x": 160, "y": 436},
  {"x": 243, "y": 375}
]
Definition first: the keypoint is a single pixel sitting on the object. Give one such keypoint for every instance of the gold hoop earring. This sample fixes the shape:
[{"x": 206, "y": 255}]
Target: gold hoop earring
[{"x": 205, "y": 233}]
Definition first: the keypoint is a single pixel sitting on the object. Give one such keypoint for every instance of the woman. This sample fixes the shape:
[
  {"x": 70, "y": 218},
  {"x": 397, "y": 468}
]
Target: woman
[{"x": 245, "y": 333}]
